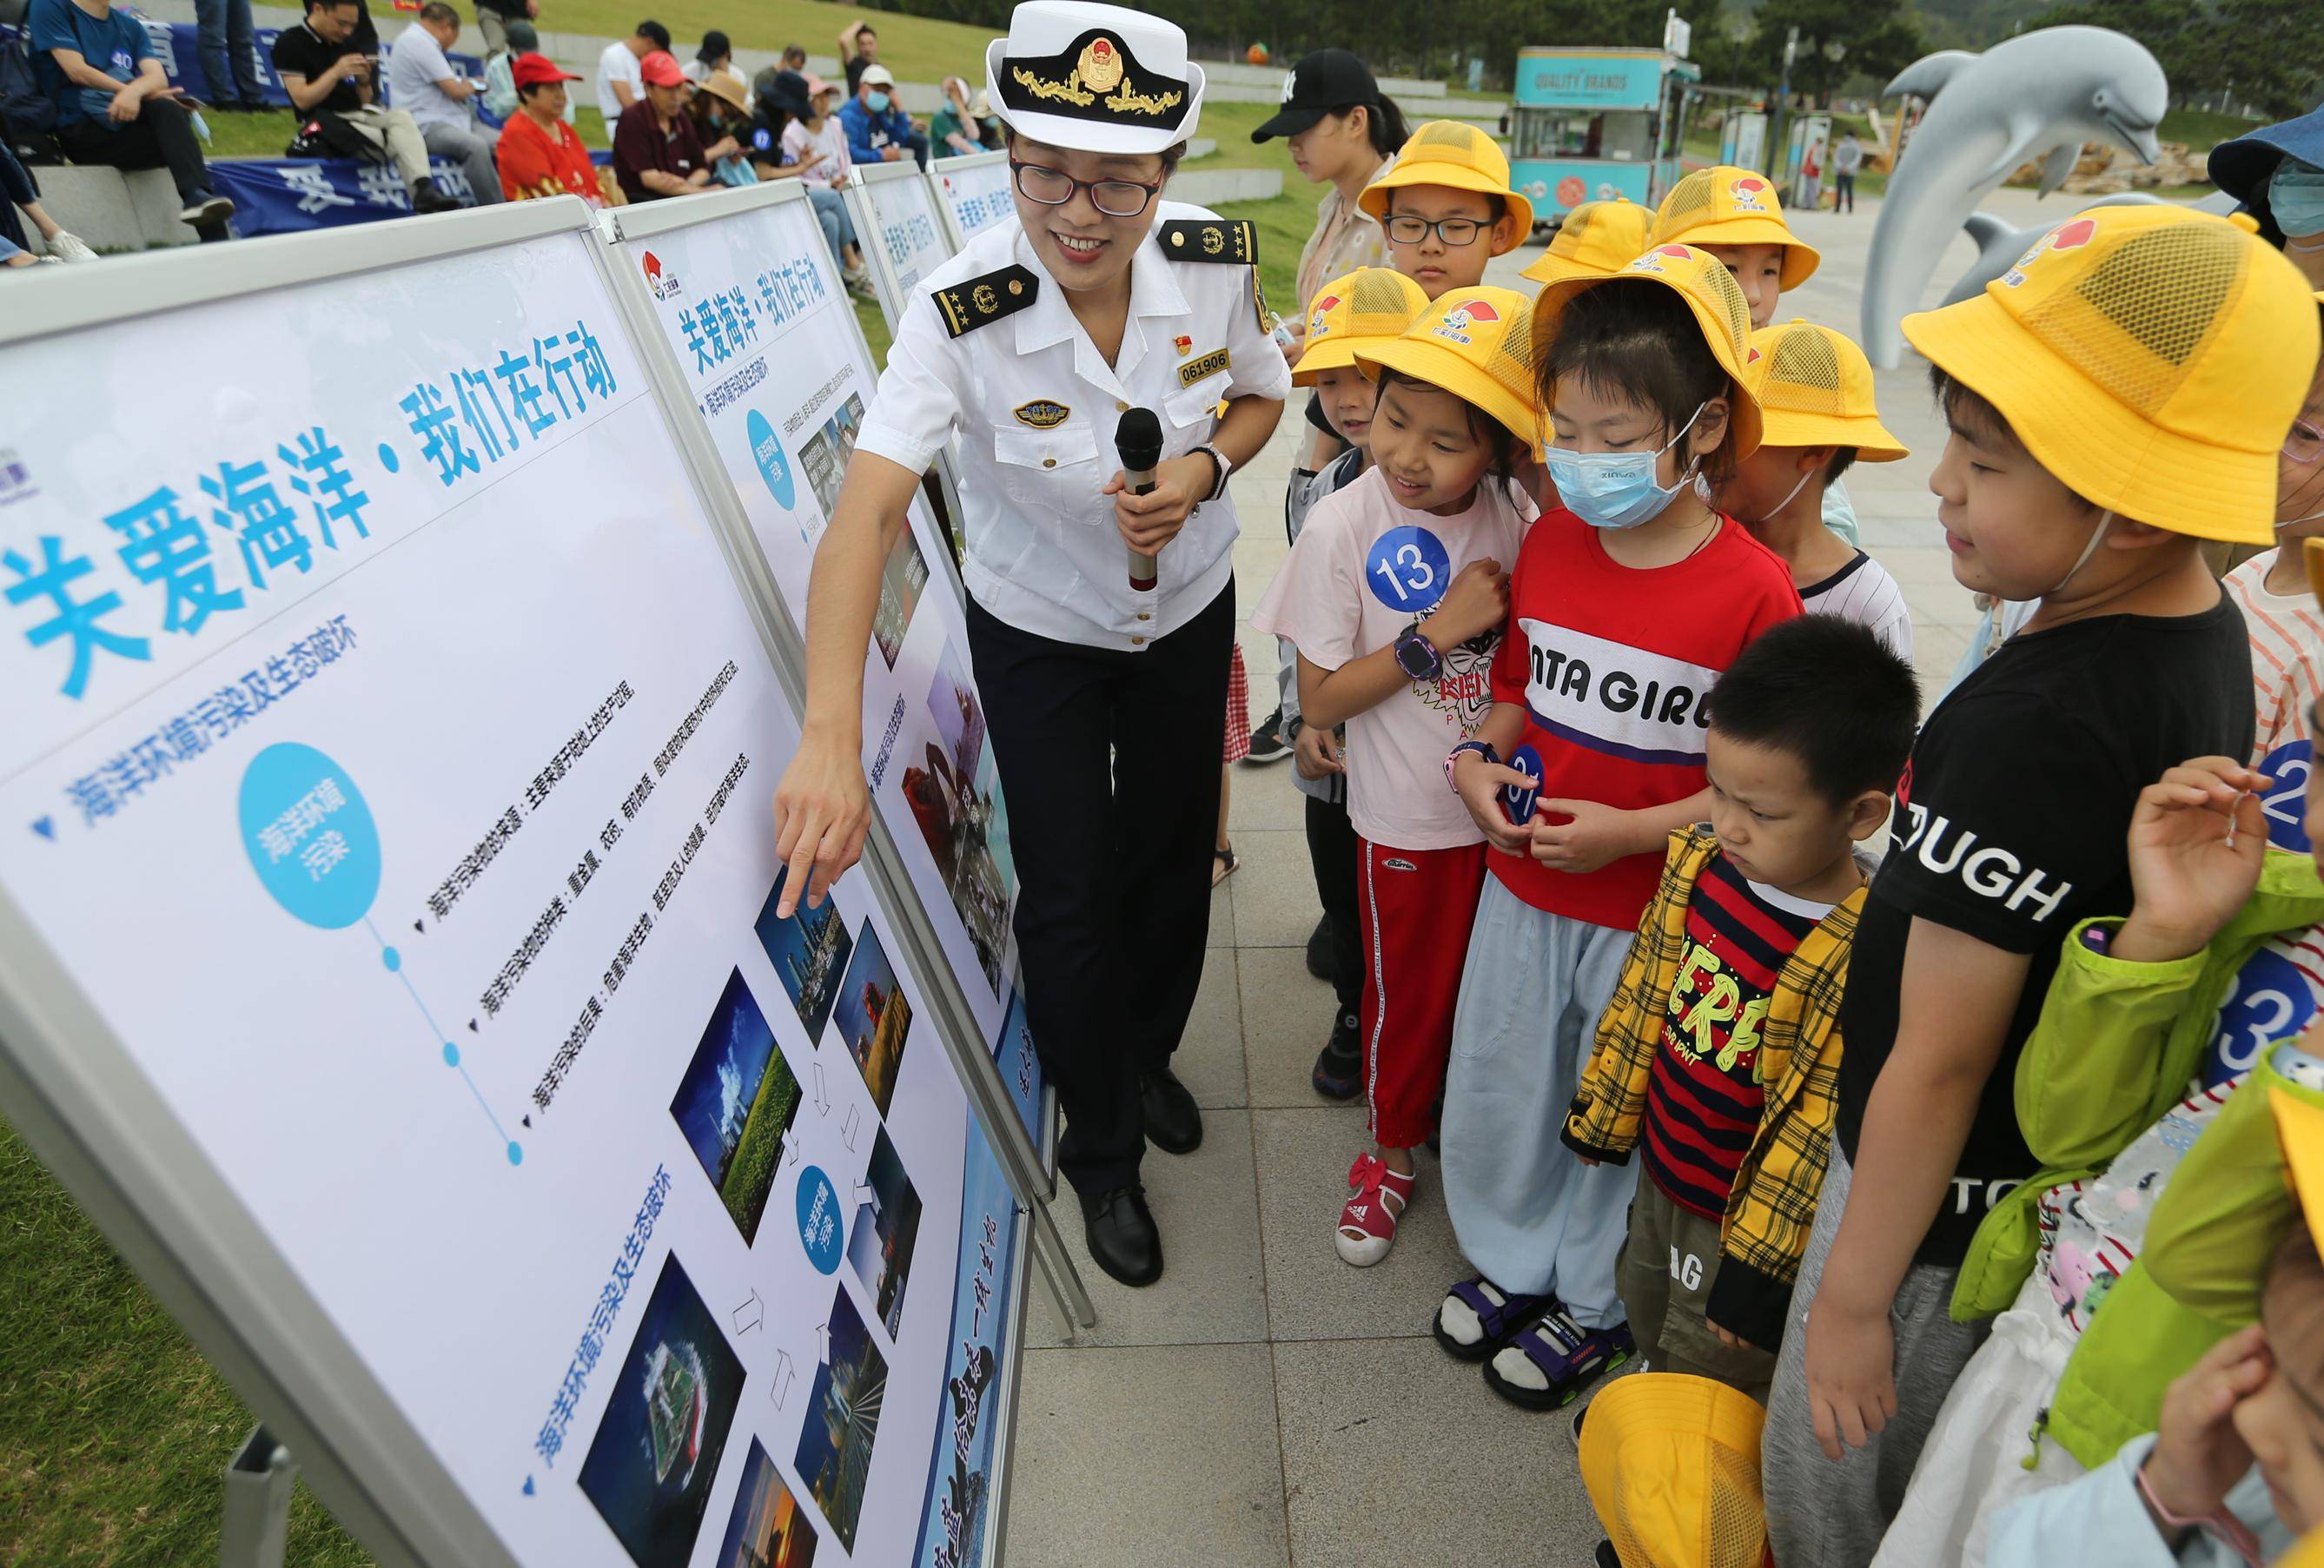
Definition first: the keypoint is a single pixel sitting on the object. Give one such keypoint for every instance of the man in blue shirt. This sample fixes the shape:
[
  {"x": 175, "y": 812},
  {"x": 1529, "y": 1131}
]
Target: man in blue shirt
[
  {"x": 116, "y": 108},
  {"x": 878, "y": 132}
]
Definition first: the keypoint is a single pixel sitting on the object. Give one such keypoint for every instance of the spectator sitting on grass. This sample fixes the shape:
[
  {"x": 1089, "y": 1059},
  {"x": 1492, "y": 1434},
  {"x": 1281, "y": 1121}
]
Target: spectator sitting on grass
[
  {"x": 500, "y": 79},
  {"x": 953, "y": 130},
  {"x": 114, "y": 106},
  {"x": 722, "y": 123},
  {"x": 656, "y": 152},
  {"x": 814, "y": 144},
  {"x": 422, "y": 82},
  {"x": 878, "y": 132},
  {"x": 539, "y": 154},
  {"x": 18, "y": 191},
  {"x": 619, "y": 85},
  {"x": 330, "y": 87}
]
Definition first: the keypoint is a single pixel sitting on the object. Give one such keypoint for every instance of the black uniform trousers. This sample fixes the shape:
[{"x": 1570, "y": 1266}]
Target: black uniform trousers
[{"x": 1109, "y": 762}]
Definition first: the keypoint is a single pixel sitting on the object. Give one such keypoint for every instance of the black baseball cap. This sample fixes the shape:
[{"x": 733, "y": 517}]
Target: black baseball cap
[{"x": 1325, "y": 80}]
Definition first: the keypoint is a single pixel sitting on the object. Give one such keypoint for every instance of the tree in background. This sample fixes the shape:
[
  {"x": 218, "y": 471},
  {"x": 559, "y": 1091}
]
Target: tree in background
[
  {"x": 1876, "y": 38},
  {"x": 2264, "y": 52}
]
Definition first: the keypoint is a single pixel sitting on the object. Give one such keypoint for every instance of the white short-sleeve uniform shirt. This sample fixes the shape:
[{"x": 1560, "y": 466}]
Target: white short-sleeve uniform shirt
[{"x": 1035, "y": 406}]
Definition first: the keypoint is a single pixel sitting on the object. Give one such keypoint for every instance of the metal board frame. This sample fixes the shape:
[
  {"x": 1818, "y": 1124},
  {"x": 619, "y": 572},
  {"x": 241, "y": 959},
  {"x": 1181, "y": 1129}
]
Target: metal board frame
[{"x": 936, "y": 190}]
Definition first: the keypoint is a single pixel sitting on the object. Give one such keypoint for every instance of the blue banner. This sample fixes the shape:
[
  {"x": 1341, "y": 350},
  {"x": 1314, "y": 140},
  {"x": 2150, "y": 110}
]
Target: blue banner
[
  {"x": 177, "y": 46},
  {"x": 957, "y": 1509}
]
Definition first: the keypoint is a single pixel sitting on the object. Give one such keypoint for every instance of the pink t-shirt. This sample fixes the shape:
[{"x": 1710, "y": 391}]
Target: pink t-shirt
[{"x": 1364, "y": 569}]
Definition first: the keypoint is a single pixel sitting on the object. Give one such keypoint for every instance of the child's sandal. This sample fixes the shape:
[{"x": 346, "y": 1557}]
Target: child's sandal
[
  {"x": 1498, "y": 1317},
  {"x": 1367, "y": 1220}
]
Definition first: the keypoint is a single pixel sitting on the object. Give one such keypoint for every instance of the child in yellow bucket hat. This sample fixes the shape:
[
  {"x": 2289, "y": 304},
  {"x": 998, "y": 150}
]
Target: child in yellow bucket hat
[
  {"x": 1817, "y": 420},
  {"x": 1735, "y": 214},
  {"x": 1628, "y": 601},
  {"x": 2117, "y": 396},
  {"x": 1596, "y": 240},
  {"x": 1348, "y": 314},
  {"x": 1447, "y": 206},
  {"x": 1394, "y": 597}
]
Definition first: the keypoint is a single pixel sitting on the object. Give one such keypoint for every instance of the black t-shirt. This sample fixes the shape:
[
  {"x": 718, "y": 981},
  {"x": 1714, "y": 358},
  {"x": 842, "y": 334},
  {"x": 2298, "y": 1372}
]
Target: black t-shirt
[
  {"x": 2010, "y": 828},
  {"x": 300, "y": 52},
  {"x": 856, "y": 66}
]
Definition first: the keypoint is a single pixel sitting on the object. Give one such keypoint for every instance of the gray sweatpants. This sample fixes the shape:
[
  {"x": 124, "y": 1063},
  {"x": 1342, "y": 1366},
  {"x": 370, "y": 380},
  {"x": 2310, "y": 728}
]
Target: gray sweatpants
[
  {"x": 471, "y": 147},
  {"x": 1822, "y": 1515},
  {"x": 1529, "y": 1215}
]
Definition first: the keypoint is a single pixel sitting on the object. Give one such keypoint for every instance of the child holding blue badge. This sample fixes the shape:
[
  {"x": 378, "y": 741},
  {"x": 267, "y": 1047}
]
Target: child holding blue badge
[
  {"x": 1627, "y": 601},
  {"x": 1393, "y": 597}
]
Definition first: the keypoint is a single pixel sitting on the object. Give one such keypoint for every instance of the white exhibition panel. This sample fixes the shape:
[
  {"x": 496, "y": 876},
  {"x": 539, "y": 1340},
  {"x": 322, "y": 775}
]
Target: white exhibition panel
[
  {"x": 387, "y": 744},
  {"x": 897, "y": 223},
  {"x": 782, "y": 409},
  {"x": 972, "y": 194}
]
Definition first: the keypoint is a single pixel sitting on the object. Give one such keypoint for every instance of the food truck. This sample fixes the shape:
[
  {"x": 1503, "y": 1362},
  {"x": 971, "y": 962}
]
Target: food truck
[{"x": 1589, "y": 124}]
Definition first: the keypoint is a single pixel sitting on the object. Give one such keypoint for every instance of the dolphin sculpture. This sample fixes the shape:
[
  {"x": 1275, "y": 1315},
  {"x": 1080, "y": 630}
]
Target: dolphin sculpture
[
  {"x": 2000, "y": 243},
  {"x": 2039, "y": 94}
]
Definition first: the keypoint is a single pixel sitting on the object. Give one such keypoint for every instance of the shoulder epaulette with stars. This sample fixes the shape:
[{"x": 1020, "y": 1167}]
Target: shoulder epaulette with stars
[
  {"x": 981, "y": 302},
  {"x": 1210, "y": 239}
]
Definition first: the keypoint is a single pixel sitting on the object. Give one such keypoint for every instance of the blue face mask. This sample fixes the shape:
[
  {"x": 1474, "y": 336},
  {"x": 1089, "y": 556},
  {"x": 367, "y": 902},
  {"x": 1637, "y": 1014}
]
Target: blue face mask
[
  {"x": 1615, "y": 489},
  {"x": 877, "y": 103},
  {"x": 2295, "y": 198}
]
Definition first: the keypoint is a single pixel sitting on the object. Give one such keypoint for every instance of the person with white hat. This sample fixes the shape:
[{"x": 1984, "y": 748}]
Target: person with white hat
[{"x": 1102, "y": 610}]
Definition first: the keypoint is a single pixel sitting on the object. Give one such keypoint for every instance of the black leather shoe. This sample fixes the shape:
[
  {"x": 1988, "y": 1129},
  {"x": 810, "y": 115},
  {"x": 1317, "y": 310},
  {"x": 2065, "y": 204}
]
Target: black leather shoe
[
  {"x": 1173, "y": 1122},
  {"x": 1123, "y": 1237},
  {"x": 1319, "y": 949}
]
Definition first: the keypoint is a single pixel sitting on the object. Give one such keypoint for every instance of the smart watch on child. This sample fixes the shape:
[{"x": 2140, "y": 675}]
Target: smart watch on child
[{"x": 1416, "y": 656}]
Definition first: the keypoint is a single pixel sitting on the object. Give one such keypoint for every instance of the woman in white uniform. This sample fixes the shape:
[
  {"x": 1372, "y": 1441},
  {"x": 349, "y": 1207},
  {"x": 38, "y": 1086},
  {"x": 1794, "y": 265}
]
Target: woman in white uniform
[{"x": 1101, "y": 698}]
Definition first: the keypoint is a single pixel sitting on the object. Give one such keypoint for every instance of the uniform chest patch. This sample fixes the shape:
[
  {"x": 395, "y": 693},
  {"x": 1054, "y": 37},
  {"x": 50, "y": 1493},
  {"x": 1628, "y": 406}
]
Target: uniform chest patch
[
  {"x": 1042, "y": 414},
  {"x": 1209, "y": 364}
]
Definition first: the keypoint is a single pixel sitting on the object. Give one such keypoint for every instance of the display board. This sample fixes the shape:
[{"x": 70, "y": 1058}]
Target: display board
[
  {"x": 742, "y": 290},
  {"x": 972, "y": 194},
  {"x": 387, "y": 947},
  {"x": 894, "y": 211}
]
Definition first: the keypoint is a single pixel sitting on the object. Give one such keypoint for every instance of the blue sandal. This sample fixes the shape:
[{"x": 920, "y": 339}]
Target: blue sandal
[
  {"x": 1568, "y": 1355},
  {"x": 1500, "y": 1321}
]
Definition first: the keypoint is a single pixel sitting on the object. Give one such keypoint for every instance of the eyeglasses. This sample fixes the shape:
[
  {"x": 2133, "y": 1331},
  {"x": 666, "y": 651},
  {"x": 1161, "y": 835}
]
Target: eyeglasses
[
  {"x": 1405, "y": 230},
  {"x": 2305, "y": 444},
  {"x": 1054, "y": 187}
]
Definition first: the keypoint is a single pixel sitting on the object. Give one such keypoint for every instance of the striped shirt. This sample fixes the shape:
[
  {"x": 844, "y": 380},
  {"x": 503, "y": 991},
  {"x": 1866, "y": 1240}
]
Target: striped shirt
[
  {"x": 1704, "y": 1098},
  {"x": 1863, "y": 591},
  {"x": 2287, "y": 655}
]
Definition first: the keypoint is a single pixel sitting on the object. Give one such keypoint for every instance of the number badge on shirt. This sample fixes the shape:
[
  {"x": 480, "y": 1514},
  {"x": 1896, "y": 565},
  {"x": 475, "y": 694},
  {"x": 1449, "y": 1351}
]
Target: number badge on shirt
[
  {"x": 1516, "y": 799},
  {"x": 2285, "y": 804},
  {"x": 1408, "y": 570}
]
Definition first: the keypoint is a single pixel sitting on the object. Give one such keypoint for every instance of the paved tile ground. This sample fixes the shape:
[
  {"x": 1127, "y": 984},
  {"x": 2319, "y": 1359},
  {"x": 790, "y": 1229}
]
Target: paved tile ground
[{"x": 1265, "y": 1403}]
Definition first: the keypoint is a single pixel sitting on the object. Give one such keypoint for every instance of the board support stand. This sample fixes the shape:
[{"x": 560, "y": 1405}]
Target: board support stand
[
  {"x": 256, "y": 1530},
  {"x": 1057, "y": 1271}
]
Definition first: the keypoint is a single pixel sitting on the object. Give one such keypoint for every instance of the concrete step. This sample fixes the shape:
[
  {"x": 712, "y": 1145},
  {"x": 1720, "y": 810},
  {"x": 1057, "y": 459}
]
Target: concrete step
[
  {"x": 110, "y": 210},
  {"x": 1209, "y": 187}
]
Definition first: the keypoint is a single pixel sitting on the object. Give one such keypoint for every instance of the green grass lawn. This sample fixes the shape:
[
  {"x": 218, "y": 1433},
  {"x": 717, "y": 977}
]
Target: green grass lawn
[
  {"x": 916, "y": 48},
  {"x": 113, "y": 1432}
]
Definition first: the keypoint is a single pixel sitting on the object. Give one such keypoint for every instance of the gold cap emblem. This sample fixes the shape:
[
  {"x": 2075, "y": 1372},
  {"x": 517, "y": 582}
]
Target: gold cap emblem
[{"x": 1100, "y": 65}]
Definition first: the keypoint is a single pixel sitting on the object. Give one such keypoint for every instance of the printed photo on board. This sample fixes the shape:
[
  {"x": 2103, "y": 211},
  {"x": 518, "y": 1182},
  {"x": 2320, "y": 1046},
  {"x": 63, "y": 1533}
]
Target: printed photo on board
[
  {"x": 887, "y": 1225},
  {"x": 655, "y": 1457},
  {"x": 737, "y": 1100},
  {"x": 874, "y": 1019},
  {"x": 955, "y": 797},
  {"x": 843, "y": 1421},
  {"x": 809, "y": 951},
  {"x": 767, "y": 1530},
  {"x": 900, "y": 582},
  {"x": 819, "y": 458}
]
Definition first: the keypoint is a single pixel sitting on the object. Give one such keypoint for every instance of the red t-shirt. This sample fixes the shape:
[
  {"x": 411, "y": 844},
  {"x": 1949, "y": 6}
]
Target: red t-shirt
[
  {"x": 534, "y": 162},
  {"x": 1611, "y": 665}
]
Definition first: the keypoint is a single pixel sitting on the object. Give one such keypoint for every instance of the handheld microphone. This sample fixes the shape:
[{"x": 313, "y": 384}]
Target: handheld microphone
[{"x": 1138, "y": 439}]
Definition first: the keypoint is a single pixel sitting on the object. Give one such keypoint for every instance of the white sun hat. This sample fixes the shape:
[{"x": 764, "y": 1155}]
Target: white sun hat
[{"x": 1094, "y": 79}]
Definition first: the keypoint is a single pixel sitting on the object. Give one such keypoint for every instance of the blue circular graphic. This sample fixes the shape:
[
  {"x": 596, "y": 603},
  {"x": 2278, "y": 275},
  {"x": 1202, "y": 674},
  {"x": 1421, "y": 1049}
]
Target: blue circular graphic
[
  {"x": 760, "y": 141},
  {"x": 2270, "y": 1001},
  {"x": 309, "y": 835},
  {"x": 1516, "y": 801},
  {"x": 1407, "y": 569},
  {"x": 774, "y": 462},
  {"x": 2285, "y": 804},
  {"x": 822, "y": 1228}
]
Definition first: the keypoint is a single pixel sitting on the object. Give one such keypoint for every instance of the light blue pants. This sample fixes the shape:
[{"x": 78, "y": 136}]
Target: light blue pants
[
  {"x": 1528, "y": 1214},
  {"x": 831, "y": 211}
]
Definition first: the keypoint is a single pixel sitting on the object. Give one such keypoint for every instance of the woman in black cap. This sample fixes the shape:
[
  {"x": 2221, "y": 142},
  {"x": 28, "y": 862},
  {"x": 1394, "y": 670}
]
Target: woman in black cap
[
  {"x": 2277, "y": 172},
  {"x": 716, "y": 53}
]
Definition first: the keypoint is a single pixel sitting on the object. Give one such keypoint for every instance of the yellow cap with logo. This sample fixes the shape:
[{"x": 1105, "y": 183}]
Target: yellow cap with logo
[
  {"x": 1476, "y": 344},
  {"x": 1672, "y": 1465},
  {"x": 2150, "y": 357},
  {"x": 1449, "y": 154},
  {"x": 1814, "y": 388},
  {"x": 1711, "y": 292},
  {"x": 1727, "y": 205},
  {"x": 1366, "y": 306},
  {"x": 1594, "y": 240}
]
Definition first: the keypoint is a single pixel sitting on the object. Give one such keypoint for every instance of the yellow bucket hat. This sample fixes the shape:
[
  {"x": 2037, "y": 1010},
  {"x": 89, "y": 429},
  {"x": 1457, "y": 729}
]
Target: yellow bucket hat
[
  {"x": 1476, "y": 344},
  {"x": 1814, "y": 388},
  {"x": 1725, "y": 204},
  {"x": 1596, "y": 239},
  {"x": 1367, "y": 306},
  {"x": 2151, "y": 357},
  {"x": 1672, "y": 1465},
  {"x": 1448, "y": 153},
  {"x": 1711, "y": 292}
]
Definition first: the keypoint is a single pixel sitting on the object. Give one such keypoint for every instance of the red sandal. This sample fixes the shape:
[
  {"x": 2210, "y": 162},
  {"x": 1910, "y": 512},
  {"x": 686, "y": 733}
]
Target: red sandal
[{"x": 1367, "y": 1220}]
